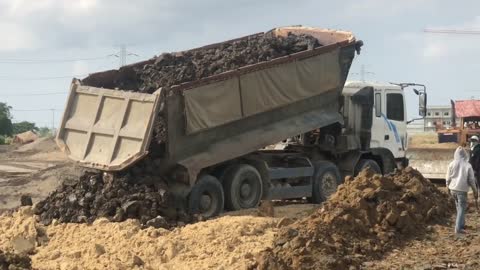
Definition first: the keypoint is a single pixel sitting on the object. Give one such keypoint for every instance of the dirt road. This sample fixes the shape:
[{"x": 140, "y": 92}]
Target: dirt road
[{"x": 34, "y": 169}]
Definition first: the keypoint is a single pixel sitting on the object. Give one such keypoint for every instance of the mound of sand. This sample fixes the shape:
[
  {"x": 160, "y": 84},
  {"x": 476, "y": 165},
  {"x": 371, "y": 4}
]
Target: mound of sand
[
  {"x": 44, "y": 145},
  {"x": 229, "y": 242},
  {"x": 366, "y": 217}
]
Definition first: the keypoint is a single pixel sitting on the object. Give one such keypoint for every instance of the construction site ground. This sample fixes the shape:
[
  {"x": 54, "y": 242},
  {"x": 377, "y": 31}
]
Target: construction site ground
[
  {"x": 232, "y": 241},
  {"x": 34, "y": 169}
]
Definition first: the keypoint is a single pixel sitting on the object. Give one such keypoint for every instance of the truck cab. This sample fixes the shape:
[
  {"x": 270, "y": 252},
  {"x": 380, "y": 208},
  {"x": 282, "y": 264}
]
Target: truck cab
[{"x": 388, "y": 118}]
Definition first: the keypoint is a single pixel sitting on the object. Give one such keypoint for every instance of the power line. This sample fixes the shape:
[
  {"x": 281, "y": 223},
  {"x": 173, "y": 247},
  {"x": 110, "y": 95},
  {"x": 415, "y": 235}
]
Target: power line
[
  {"x": 10, "y": 78},
  {"x": 452, "y": 31},
  {"x": 362, "y": 73},
  {"x": 41, "y": 110},
  {"x": 33, "y": 94},
  {"x": 34, "y": 110},
  {"x": 122, "y": 55},
  {"x": 42, "y": 61}
]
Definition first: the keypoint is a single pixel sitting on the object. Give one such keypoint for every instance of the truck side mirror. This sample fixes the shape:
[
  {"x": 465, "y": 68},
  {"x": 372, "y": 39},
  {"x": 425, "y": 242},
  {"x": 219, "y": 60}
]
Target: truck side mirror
[{"x": 422, "y": 104}]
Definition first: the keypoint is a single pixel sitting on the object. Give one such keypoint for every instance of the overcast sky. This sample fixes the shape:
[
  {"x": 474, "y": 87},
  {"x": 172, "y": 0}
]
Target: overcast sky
[{"x": 396, "y": 49}]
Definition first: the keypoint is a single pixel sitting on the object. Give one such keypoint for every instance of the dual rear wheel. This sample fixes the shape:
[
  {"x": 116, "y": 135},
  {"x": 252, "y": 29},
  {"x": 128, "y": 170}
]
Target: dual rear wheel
[
  {"x": 240, "y": 187},
  {"x": 327, "y": 177}
]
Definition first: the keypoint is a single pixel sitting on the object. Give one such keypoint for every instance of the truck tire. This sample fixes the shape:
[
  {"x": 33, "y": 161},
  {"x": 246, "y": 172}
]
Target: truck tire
[
  {"x": 364, "y": 163},
  {"x": 206, "y": 197},
  {"x": 325, "y": 181},
  {"x": 243, "y": 187}
]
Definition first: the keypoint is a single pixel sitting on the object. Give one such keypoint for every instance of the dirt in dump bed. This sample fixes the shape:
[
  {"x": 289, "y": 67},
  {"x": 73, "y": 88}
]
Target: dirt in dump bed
[
  {"x": 170, "y": 69},
  {"x": 130, "y": 196},
  {"x": 366, "y": 217}
]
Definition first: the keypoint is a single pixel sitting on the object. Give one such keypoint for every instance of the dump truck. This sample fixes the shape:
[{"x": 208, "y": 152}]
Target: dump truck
[{"x": 217, "y": 128}]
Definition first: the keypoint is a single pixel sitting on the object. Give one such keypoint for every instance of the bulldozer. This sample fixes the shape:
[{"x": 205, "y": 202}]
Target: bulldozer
[{"x": 431, "y": 156}]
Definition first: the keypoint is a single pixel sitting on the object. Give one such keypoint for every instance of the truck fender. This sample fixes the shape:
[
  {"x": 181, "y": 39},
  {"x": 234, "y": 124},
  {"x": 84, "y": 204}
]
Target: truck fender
[
  {"x": 348, "y": 163},
  {"x": 386, "y": 156}
]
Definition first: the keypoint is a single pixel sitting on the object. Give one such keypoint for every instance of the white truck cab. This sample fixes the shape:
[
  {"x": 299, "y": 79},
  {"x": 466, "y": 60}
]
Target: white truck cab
[
  {"x": 389, "y": 115},
  {"x": 389, "y": 118}
]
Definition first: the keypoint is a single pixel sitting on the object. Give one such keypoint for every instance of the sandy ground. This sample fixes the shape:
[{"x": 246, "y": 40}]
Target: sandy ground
[
  {"x": 231, "y": 241},
  {"x": 228, "y": 242},
  {"x": 34, "y": 169},
  {"x": 439, "y": 249},
  {"x": 428, "y": 140}
]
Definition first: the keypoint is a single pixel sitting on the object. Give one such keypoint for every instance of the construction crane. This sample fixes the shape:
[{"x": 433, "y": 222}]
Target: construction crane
[{"x": 452, "y": 31}]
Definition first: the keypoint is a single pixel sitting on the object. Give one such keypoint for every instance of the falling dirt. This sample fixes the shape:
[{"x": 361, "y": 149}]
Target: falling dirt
[
  {"x": 365, "y": 218},
  {"x": 92, "y": 197}
]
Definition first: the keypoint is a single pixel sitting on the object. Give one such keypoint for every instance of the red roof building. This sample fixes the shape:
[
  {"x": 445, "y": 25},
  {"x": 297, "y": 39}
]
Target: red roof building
[{"x": 467, "y": 108}]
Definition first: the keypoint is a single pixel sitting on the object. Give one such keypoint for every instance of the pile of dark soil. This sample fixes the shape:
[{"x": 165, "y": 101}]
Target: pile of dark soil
[
  {"x": 10, "y": 261},
  {"x": 368, "y": 216},
  {"x": 134, "y": 195},
  {"x": 173, "y": 69},
  {"x": 170, "y": 69}
]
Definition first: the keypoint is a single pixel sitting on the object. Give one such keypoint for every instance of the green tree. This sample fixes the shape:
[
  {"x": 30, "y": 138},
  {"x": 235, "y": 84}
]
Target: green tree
[
  {"x": 23, "y": 127},
  {"x": 44, "y": 132},
  {"x": 6, "y": 127}
]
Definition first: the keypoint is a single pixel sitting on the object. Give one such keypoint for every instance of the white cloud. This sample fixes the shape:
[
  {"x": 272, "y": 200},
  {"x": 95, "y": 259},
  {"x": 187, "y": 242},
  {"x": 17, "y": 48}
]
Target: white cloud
[
  {"x": 22, "y": 8},
  {"x": 16, "y": 37},
  {"x": 435, "y": 50},
  {"x": 437, "y": 45},
  {"x": 80, "y": 68},
  {"x": 434, "y": 47},
  {"x": 374, "y": 9},
  {"x": 82, "y": 5}
]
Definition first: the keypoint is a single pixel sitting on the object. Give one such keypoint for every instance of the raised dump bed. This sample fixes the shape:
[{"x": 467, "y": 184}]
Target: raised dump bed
[{"x": 210, "y": 120}]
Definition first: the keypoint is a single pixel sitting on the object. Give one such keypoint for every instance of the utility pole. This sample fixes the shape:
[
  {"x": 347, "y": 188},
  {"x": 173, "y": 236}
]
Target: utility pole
[
  {"x": 53, "y": 122},
  {"x": 122, "y": 55},
  {"x": 363, "y": 72}
]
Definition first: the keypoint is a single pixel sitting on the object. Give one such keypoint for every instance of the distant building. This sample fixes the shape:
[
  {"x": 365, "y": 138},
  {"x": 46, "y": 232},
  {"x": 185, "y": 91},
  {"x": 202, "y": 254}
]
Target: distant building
[
  {"x": 438, "y": 117},
  {"x": 417, "y": 126}
]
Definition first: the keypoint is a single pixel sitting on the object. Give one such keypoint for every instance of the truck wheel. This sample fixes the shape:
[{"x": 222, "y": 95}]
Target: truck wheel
[
  {"x": 206, "y": 197},
  {"x": 325, "y": 181},
  {"x": 364, "y": 163},
  {"x": 243, "y": 187}
]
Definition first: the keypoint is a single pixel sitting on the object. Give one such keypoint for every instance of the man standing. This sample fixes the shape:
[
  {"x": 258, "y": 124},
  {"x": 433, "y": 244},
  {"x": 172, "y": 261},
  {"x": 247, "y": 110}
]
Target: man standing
[
  {"x": 475, "y": 157},
  {"x": 459, "y": 178}
]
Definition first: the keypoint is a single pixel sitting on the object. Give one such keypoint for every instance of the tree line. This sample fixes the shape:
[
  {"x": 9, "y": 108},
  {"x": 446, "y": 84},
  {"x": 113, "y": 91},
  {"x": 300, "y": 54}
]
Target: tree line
[{"x": 8, "y": 129}]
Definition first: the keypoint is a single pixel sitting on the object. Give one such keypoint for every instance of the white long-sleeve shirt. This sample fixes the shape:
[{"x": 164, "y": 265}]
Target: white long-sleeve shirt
[{"x": 460, "y": 174}]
